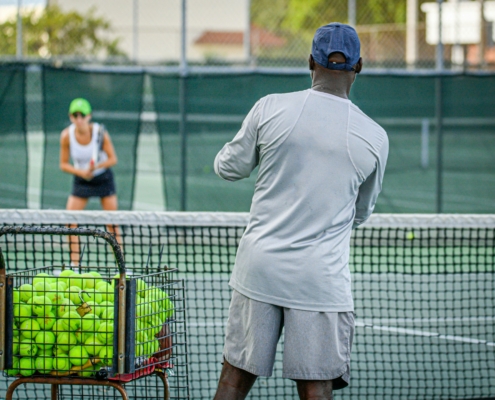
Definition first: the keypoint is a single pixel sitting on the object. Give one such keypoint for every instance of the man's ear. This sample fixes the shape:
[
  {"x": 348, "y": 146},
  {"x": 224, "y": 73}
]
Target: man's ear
[
  {"x": 311, "y": 62},
  {"x": 359, "y": 65}
]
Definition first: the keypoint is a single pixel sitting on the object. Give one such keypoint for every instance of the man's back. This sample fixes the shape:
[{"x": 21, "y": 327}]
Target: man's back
[{"x": 315, "y": 151}]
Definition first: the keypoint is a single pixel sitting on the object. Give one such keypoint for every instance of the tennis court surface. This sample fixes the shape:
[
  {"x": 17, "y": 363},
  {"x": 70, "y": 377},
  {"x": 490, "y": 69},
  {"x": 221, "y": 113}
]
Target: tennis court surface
[{"x": 423, "y": 285}]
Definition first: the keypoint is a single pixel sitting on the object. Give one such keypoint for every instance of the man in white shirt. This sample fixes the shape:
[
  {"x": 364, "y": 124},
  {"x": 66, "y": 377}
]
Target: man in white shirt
[{"x": 321, "y": 164}]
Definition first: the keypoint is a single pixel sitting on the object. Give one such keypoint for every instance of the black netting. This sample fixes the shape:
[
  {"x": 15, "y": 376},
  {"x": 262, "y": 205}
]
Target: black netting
[{"x": 424, "y": 303}]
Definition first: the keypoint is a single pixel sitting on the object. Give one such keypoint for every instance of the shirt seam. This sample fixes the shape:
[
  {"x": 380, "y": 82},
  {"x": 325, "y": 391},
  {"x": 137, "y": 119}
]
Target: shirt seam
[
  {"x": 292, "y": 127},
  {"x": 347, "y": 144}
]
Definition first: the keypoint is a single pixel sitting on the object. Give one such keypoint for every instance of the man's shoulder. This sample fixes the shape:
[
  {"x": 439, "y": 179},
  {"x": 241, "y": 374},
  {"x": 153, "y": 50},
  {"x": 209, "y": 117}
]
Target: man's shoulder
[
  {"x": 365, "y": 121},
  {"x": 284, "y": 97}
]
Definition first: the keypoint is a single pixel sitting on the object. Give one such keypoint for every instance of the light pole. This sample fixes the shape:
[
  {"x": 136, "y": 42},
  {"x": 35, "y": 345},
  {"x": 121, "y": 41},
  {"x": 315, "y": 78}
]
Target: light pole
[
  {"x": 439, "y": 54},
  {"x": 19, "y": 31},
  {"x": 183, "y": 108},
  {"x": 412, "y": 32},
  {"x": 351, "y": 12},
  {"x": 247, "y": 34},
  {"x": 135, "y": 30}
]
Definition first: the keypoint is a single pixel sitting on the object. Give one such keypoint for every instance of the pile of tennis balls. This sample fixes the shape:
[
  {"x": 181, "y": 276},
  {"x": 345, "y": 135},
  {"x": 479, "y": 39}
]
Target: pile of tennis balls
[{"x": 50, "y": 335}]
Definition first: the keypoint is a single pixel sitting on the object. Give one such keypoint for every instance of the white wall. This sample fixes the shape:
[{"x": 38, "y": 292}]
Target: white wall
[
  {"x": 9, "y": 12},
  {"x": 159, "y": 23}
]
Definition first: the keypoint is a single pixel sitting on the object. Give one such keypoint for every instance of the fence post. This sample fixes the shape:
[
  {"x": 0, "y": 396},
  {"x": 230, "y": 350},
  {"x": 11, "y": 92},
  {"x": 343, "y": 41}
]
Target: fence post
[
  {"x": 351, "y": 12},
  {"x": 182, "y": 108},
  {"x": 19, "y": 30},
  {"x": 439, "y": 110},
  {"x": 247, "y": 34},
  {"x": 135, "y": 30},
  {"x": 439, "y": 122},
  {"x": 412, "y": 33},
  {"x": 439, "y": 53}
]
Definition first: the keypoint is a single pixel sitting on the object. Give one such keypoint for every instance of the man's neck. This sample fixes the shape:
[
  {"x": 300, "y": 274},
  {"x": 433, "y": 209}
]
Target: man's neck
[
  {"x": 330, "y": 89},
  {"x": 337, "y": 83}
]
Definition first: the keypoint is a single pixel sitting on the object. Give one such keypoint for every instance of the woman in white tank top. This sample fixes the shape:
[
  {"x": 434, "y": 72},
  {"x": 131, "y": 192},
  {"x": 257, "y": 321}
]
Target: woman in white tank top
[{"x": 91, "y": 150}]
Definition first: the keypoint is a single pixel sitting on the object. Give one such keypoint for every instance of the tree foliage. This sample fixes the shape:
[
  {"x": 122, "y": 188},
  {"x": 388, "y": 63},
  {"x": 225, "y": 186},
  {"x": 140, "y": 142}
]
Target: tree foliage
[
  {"x": 303, "y": 17},
  {"x": 55, "y": 32}
]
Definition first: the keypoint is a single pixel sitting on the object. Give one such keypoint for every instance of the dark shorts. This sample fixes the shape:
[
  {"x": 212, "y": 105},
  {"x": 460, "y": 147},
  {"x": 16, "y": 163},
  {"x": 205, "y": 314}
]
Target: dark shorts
[{"x": 102, "y": 185}]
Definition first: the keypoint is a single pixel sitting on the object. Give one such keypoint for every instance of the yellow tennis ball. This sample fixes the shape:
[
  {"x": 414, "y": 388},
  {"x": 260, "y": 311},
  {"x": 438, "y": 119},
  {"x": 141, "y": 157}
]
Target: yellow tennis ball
[
  {"x": 45, "y": 339},
  {"x": 27, "y": 366},
  {"x": 93, "y": 345},
  {"x": 410, "y": 235},
  {"x": 15, "y": 367},
  {"x": 29, "y": 329},
  {"x": 61, "y": 363},
  {"x": 78, "y": 355},
  {"x": 44, "y": 364},
  {"x": 42, "y": 305}
]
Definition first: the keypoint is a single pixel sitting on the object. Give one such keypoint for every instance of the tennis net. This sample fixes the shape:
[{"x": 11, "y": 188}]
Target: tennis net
[{"x": 423, "y": 287}]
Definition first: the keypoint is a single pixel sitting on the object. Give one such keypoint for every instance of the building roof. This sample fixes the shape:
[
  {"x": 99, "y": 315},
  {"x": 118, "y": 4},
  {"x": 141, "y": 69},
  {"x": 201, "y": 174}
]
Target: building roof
[{"x": 259, "y": 36}]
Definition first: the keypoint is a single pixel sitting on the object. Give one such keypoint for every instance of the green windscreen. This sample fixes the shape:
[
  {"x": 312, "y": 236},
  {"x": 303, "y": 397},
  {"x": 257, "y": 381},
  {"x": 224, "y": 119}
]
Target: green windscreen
[
  {"x": 406, "y": 107},
  {"x": 116, "y": 99},
  {"x": 401, "y": 104},
  {"x": 469, "y": 144},
  {"x": 13, "y": 146},
  {"x": 166, "y": 97},
  {"x": 215, "y": 106}
]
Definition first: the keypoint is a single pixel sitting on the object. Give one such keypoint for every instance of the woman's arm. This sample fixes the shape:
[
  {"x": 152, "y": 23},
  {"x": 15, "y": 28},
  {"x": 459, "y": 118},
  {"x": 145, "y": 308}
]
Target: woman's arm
[
  {"x": 109, "y": 149},
  {"x": 65, "y": 165}
]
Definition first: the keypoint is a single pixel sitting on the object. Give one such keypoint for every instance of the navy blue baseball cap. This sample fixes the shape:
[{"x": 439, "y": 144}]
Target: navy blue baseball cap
[{"x": 336, "y": 37}]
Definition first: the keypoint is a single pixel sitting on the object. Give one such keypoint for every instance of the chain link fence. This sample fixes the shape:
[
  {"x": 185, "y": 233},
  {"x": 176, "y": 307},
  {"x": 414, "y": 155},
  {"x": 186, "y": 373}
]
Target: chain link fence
[{"x": 257, "y": 33}]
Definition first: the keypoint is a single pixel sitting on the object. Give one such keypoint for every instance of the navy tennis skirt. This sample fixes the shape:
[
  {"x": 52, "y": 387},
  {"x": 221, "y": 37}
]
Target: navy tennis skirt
[{"x": 102, "y": 185}]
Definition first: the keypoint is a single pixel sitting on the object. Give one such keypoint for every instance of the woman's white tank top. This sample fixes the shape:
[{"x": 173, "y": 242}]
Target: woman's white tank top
[{"x": 83, "y": 154}]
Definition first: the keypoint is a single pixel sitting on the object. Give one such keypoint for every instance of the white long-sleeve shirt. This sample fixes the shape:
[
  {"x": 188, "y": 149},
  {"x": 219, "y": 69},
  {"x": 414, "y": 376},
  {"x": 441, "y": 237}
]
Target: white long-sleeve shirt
[{"x": 321, "y": 163}]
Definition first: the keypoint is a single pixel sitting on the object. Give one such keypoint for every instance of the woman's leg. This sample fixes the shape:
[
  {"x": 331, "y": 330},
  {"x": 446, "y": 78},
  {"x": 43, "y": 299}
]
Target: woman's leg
[
  {"x": 75, "y": 203},
  {"x": 110, "y": 203}
]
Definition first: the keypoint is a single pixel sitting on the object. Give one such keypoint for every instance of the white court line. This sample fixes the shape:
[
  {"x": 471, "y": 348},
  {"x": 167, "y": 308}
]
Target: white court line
[
  {"x": 413, "y": 332},
  {"x": 427, "y": 320}
]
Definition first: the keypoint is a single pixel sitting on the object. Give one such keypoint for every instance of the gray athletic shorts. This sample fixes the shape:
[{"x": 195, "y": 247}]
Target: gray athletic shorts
[{"x": 317, "y": 345}]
